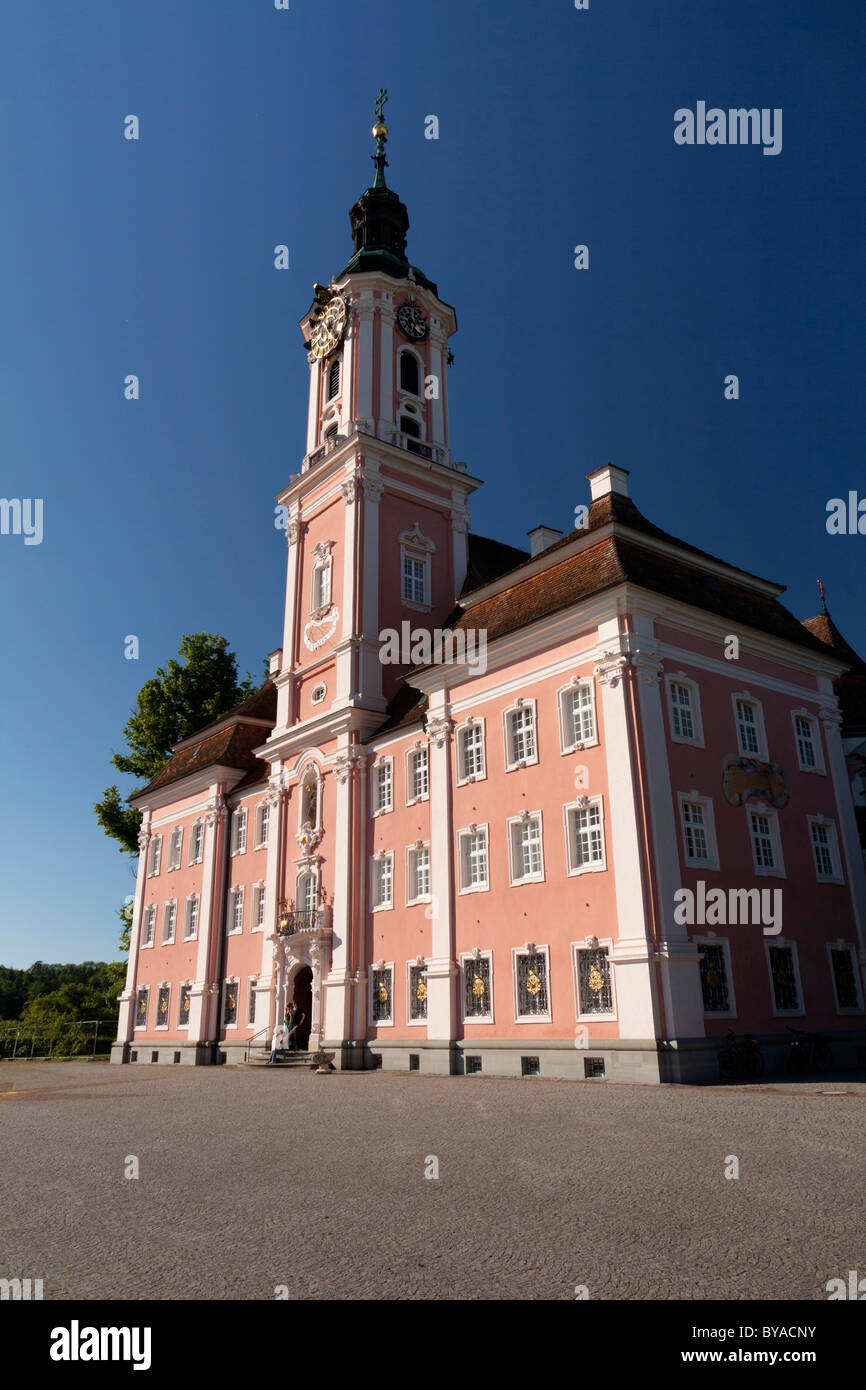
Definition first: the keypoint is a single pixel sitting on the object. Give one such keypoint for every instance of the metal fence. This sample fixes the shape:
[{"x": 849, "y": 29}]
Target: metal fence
[{"x": 90, "y": 1037}]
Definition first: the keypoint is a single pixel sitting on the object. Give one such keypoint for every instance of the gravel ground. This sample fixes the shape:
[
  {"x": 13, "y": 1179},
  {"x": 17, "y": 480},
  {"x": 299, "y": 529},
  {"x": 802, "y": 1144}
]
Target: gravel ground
[{"x": 252, "y": 1179}]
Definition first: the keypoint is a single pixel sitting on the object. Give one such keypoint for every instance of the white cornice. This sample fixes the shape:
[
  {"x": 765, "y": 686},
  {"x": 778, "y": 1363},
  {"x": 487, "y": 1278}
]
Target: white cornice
[{"x": 193, "y": 784}]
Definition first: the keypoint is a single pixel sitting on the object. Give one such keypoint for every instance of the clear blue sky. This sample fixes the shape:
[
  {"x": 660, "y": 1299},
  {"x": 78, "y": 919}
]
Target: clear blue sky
[{"x": 156, "y": 257}]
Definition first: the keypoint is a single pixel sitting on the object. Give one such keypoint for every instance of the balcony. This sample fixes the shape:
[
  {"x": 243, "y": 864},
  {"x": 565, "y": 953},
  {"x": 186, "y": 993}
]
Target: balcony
[
  {"x": 433, "y": 453},
  {"x": 292, "y": 923}
]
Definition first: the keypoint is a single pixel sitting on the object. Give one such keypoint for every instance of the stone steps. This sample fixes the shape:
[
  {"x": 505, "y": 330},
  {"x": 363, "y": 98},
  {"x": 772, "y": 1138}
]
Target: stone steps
[{"x": 288, "y": 1060}]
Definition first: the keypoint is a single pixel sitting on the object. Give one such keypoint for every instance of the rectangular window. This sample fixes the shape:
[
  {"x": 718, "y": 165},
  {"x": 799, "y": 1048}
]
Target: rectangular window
[
  {"x": 419, "y": 873},
  {"x": 417, "y": 993},
  {"x": 155, "y": 854},
  {"x": 532, "y": 994},
  {"x": 578, "y": 715},
  {"x": 321, "y": 586},
  {"x": 762, "y": 840},
  {"x": 264, "y": 824},
  {"x": 682, "y": 720},
  {"x": 259, "y": 907},
  {"x": 414, "y": 580},
  {"x": 419, "y": 774},
  {"x": 381, "y": 1010},
  {"x": 148, "y": 925},
  {"x": 236, "y": 910},
  {"x": 141, "y": 1008},
  {"x": 805, "y": 742},
  {"x": 747, "y": 728},
  {"x": 471, "y": 752},
  {"x": 230, "y": 1003},
  {"x": 822, "y": 848},
  {"x": 714, "y": 979},
  {"x": 594, "y": 985},
  {"x": 183, "y": 1006},
  {"x": 162, "y": 999},
  {"x": 586, "y": 839},
  {"x": 383, "y": 786},
  {"x": 845, "y": 978},
  {"x": 526, "y": 849},
  {"x": 239, "y": 838},
  {"x": 477, "y": 999},
  {"x": 383, "y": 881},
  {"x": 784, "y": 979},
  {"x": 190, "y": 928},
  {"x": 196, "y": 842},
  {"x": 695, "y": 832},
  {"x": 473, "y": 859},
  {"x": 169, "y": 918},
  {"x": 521, "y": 727},
  {"x": 175, "y": 848}
]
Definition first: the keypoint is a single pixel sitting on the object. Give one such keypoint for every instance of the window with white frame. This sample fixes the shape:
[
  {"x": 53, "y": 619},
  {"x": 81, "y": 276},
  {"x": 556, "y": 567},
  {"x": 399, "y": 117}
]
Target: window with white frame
[
  {"x": 477, "y": 970},
  {"x": 584, "y": 835},
  {"x": 698, "y": 830},
  {"x": 409, "y": 376},
  {"x": 784, "y": 978},
  {"x": 259, "y": 907},
  {"x": 333, "y": 371},
  {"x": 808, "y": 740},
  {"x": 825, "y": 849},
  {"x": 196, "y": 842},
  {"x": 577, "y": 714},
  {"x": 169, "y": 921},
  {"x": 236, "y": 910},
  {"x": 520, "y": 745},
  {"x": 162, "y": 1006},
  {"x": 155, "y": 855},
  {"x": 594, "y": 982},
  {"x": 383, "y": 881},
  {"x": 190, "y": 925},
  {"x": 472, "y": 856},
  {"x": 307, "y": 892},
  {"x": 175, "y": 846},
  {"x": 417, "y": 984},
  {"x": 321, "y": 583},
  {"x": 715, "y": 972},
  {"x": 148, "y": 924},
  {"x": 415, "y": 578},
  {"x": 383, "y": 786},
  {"x": 525, "y": 849},
  {"x": 141, "y": 1006},
  {"x": 418, "y": 774},
  {"x": 470, "y": 751},
  {"x": 766, "y": 845},
  {"x": 263, "y": 821},
  {"x": 846, "y": 986},
  {"x": 750, "y": 727},
  {"x": 416, "y": 551},
  {"x": 183, "y": 1006},
  {"x": 418, "y": 873},
  {"x": 239, "y": 831},
  {"x": 531, "y": 984},
  {"x": 684, "y": 710},
  {"x": 381, "y": 991},
  {"x": 230, "y": 1003},
  {"x": 251, "y": 999}
]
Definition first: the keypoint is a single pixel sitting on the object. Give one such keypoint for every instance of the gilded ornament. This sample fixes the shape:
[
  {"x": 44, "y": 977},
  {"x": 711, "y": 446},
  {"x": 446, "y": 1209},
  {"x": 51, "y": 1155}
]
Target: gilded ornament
[
  {"x": 595, "y": 979},
  {"x": 533, "y": 984}
]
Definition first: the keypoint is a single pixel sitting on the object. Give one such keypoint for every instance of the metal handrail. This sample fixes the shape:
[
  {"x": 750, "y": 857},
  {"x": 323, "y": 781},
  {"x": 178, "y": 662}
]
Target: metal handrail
[{"x": 251, "y": 1040}]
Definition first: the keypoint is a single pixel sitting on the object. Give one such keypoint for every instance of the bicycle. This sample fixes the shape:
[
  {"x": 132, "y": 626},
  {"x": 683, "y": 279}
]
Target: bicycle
[
  {"x": 740, "y": 1059},
  {"x": 808, "y": 1051}
]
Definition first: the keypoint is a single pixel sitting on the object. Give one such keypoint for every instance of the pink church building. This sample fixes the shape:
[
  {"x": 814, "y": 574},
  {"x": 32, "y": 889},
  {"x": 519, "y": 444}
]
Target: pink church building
[{"x": 573, "y": 812}]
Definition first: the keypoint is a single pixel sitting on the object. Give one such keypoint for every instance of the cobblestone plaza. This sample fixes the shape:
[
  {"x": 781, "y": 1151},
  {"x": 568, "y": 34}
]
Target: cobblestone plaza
[{"x": 251, "y": 1180}]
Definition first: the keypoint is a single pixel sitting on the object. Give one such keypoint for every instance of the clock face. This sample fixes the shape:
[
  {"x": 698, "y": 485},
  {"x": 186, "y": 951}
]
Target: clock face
[
  {"x": 328, "y": 331},
  {"x": 411, "y": 322}
]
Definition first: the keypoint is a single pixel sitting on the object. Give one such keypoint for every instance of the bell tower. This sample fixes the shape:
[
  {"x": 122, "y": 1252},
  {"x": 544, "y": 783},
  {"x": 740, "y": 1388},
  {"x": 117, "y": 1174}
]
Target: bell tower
[{"x": 377, "y": 517}]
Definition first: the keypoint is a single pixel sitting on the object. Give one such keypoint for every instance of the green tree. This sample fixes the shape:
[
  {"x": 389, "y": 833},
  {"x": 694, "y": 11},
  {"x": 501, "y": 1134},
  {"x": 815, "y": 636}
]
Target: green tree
[{"x": 180, "y": 699}]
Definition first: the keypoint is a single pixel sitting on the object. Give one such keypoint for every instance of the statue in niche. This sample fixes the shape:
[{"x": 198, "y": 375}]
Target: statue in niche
[{"x": 308, "y": 806}]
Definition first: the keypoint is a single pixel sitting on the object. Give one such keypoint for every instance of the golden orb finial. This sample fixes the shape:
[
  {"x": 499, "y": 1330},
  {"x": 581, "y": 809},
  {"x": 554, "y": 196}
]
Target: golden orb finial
[{"x": 380, "y": 131}]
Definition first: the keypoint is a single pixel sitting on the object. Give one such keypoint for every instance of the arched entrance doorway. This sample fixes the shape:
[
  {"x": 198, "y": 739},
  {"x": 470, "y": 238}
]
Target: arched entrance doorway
[{"x": 302, "y": 992}]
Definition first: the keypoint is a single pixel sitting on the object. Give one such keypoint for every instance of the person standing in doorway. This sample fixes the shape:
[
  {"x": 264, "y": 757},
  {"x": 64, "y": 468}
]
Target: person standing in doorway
[
  {"x": 278, "y": 1042},
  {"x": 294, "y": 1021}
]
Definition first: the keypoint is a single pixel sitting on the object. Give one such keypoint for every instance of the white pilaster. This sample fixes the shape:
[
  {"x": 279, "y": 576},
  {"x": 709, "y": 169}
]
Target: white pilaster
[
  {"x": 386, "y": 366},
  {"x": 849, "y": 839},
  {"x": 313, "y": 404},
  {"x": 437, "y": 404},
  {"x": 126, "y": 1016},
  {"x": 211, "y": 920},
  {"x": 364, "y": 364},
  {"x": 338, "y": 988},
  {"x": 265, "y": 986},
  {"x": 346, "y": 374},
  {"x": 441, "y": 968}
]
